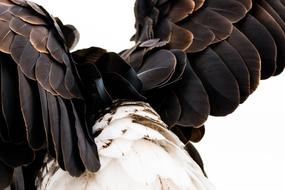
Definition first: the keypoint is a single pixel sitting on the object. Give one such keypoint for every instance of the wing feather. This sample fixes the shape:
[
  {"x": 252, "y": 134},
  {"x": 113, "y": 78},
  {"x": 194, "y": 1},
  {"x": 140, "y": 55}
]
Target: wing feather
[
  {"x": 277, "y": 33},
  {"x": 278, "y": 7},
  {"x": 6, "y": 174},
  {"x": 193, "y": 99},
  {"x": 25, "y": 55},
  {"x": 149, "y": 73},
  {"x": 9, "y": 152},
  {"x": 6, "y": 37},
  {"x": 54, "y": 116},
  {"x": 20, "y": 27},
  {"x": 46, "y": 121},
  {"x": 249, "y": 54},
  {"x": 11, "y": 110},
  {"x": 38, "y": 37},
  {"x": 70, "y": 154},
  {"x": 29, "y": 101},
  {"x": 264, "y": 44},
  {"x": 218, "y": 81},
  {"x": 231, "y": 45},
  {"x": 38, "y": 84},
  {"x": 236, "y": 65}
]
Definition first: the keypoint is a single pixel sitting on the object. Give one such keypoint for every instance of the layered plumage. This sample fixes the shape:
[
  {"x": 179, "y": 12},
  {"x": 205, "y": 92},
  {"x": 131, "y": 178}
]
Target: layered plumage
[
  {"x": 46, "y": 96},
  {"x": 136, "y": 151},
  {"x": 227, "y": 47},
  {"x": 192, "y": 58}
]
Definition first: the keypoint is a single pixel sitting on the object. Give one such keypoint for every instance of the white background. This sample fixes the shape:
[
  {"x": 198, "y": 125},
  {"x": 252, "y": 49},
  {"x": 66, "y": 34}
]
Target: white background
[{"x": 244, "y": 150}]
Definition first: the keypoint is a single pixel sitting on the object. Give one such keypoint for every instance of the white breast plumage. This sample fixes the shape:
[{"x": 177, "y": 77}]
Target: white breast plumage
[{"x": 136, "y": 152}]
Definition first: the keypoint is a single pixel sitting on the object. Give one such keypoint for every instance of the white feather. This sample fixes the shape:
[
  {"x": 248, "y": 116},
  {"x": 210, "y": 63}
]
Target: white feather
[{"x": 137, "y": 152}]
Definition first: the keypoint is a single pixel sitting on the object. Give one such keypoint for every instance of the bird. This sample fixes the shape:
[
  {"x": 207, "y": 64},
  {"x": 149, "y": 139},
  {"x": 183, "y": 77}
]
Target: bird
[{"x": 158, "y": 39}]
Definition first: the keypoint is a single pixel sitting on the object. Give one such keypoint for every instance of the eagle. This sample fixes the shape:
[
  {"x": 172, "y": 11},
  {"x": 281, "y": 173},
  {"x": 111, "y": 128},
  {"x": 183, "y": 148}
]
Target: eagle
[{"x": 74, "y": 119}]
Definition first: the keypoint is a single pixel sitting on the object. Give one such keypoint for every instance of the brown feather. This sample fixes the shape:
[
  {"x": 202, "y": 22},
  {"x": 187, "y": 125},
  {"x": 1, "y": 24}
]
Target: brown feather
[
  {"x": 249, "y": 54},
  {"x": 231, "y": 9},
  {"x": 180, "y": 38},
  {"x": 54, "y": 120},
  {"x": 6, "y": 174},
  {"x": 181, "y": 9},
  {"x": 25, "y": 55},
  {"x": 10, "y": 100},
  {"x": 57, "y": 80},
  {"x": 153, "y": 74},
  {"x": 10, "y": 154},
  {"x": 219, "y": 82},
  {"x": 202, "y": 36},
  {"x": 42, "y": 72},
  {"x": 28, "y": 16},
  {"x": 55, "y": 48},
  {"x": 87, "y": 148},
  {"x": 68, "y": 140},
  {"x": 38, "y": 37},
  {"x": 236, "y": 65},
  {"x": 20, "y": 27},
  {"x": 277, "y": 33},
  {"x": 263, "y": 42},
  {"x": 31, "y": 110},
  {"x": 6, "y": 37},
  {"x": 193, "y": 99}
]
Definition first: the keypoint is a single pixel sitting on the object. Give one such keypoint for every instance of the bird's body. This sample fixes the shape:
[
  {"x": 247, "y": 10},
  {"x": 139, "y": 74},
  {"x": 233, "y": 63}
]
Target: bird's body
[{"x": 136, "y": 152}]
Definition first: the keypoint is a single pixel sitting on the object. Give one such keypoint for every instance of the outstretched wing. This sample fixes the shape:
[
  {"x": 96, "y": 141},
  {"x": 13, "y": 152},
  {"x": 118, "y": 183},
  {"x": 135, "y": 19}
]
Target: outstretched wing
[
  {"x": 201, "y": 57},
  {"x": 41, "y": 103}
]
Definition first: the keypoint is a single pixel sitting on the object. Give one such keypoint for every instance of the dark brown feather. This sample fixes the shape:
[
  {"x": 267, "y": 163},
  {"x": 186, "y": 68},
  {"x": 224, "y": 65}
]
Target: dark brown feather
[
  {"x": 6, "y": 174},
  {"x": 203, "y": 36},
  {"x": 25, "y": 55},
  {"x": 272, "y": 13},
  {"x": 276, "y": 32},
  {"x": 54, "y": 120},
  {"x": 27, "y": 16},
  {"x": 55, "y": 48},
  {"x": 236, "y": 65},
  {"x": 38, "y": 38},
  {"x": 264, "y": 43},
  {"x": 180, "y": 38},
  {"x": 20, "y": 27},
  {"x": 42, "y": 73},
  {"x": 155, "y": 75},
  {"x": 169, "y": 107},
  {"x": 11, "y": 109},
  {"x": 46, "y": 121},
  {"x": 181, "y": 9},
  {"x": 233, "y": 44},
  {"x": 219, "y": 82},
  {"x": 193, "y": 99},
  {"x": 249, "y": 54},
  {"x": 198, "y": 4},
  {"x": 31, "y": 111},
  {"x": 278, "y": 7},
  {"x": 10, "y": 154},
  {"x": 6, "y": 37},
  {"x": 231, "y": 9},
  {"x": 190, "y": 148},
  {"x": 57, "y": 79},
  {"x": 87, "y": 148},
  {"x": 68, "y": 140}
]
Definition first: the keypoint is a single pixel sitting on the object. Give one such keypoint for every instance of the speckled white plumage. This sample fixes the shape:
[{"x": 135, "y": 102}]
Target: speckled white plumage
[{"x": 137, "y": 152}]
